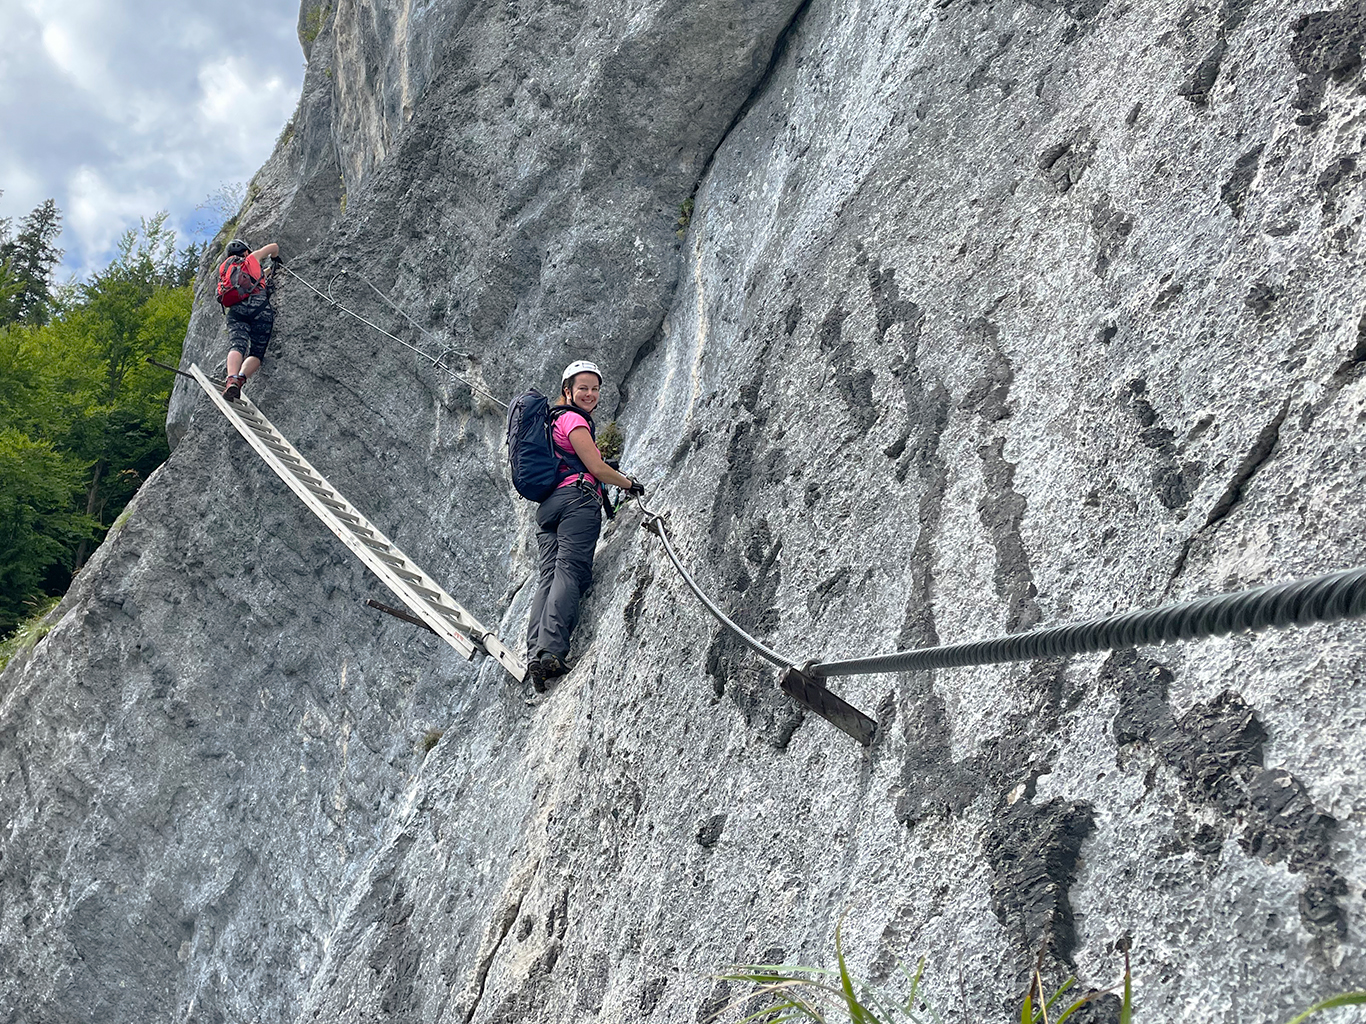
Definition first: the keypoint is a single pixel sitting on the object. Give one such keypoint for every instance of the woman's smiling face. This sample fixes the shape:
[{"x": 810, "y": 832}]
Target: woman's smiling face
[{"x": 583, "y": 391}]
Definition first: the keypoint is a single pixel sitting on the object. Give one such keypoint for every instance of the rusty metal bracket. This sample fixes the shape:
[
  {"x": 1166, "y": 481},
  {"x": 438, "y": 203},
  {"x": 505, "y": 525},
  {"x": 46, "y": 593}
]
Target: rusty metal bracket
[
  {"x": 399, "y": 614},
  {"x": 810, "y": 692}
]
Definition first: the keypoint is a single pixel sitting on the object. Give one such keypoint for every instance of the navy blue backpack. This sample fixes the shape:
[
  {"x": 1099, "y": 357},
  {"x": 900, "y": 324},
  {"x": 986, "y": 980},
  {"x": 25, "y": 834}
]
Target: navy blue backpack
[{"x": 537, "y": 467}]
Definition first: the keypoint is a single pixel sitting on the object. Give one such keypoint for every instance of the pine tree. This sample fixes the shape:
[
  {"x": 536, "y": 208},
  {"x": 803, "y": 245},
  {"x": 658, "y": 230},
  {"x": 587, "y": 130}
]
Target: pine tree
[{"x": 26, "y": 264}]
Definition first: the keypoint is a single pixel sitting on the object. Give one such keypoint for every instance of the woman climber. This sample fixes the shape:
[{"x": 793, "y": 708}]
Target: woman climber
[{"x": 568, "y": 523}]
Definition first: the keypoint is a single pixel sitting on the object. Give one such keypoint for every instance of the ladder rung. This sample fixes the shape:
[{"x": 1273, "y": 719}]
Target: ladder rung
[
  {"x": 376, "y": 544},
  {"x": 449, "y": 612}
]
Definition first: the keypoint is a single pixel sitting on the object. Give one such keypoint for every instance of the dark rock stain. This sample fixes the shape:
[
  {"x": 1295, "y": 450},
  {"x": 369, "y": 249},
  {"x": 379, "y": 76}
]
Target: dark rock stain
[
  {"x": 1033, "y": 852},
  {"x": 748, "y": 563},
  {"x": 854, "y": 384},
  {"x": 1235, "y": 190},
  {"x": 1342, "y": 171},
  {"x": 651, "y": 994},
  {"x": 1064, "y": 162},
  {"x": 709, "y": 832},
  {"x": 1167, "y": 296},
  {"x": 1112, "y": 227},
  {"x": 1200, "y": 84},
  {"x": 888, "y": 306},
  {"x": 1216, "y": 750},
  {"x": 1174, "y": 482},
  {"x": 396, "y": 958},
  {"x": 1001, "y": 511},
  {"x": 1261, "y": 297},
  {"x": 832, "y": 588},
  {"x": 1326, "y": 48},
  {"x": 982, "y": 73},
  {"x": 635, "y": 604},
  {"x": 717, "y": 1001}
]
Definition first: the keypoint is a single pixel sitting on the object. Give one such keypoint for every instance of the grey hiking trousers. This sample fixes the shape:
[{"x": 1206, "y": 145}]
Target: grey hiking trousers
[{"x": 570, "y": 521}]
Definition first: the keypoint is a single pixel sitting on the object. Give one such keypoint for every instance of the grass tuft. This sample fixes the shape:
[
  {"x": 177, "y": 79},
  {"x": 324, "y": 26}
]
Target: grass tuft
[
  {"x": 27, "y": 634},
  {"x": 684, "y": 217},
  {"x": 1343, "y": 999},
  {"x": 611, "y": 441},
  {"x": 431, "y": 739}
]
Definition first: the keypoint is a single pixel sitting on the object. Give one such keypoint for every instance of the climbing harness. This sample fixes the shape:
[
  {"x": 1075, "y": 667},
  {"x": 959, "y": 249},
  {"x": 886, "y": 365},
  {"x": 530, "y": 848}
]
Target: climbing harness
[
  {"x": 436, "y": 361},
  {"x": 436, "y": 608}
]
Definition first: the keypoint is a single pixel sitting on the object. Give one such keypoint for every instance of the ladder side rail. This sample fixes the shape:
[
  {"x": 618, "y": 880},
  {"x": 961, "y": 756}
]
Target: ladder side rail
[{"x": 440, "y": 625}]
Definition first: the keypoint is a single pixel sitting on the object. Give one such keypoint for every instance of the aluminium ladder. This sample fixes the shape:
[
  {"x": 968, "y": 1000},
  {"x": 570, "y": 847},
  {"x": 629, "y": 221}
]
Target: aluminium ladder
[{"x": 418, "y": 591}]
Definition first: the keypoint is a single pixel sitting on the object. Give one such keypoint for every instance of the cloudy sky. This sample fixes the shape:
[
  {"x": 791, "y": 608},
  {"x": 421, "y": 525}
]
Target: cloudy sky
[{"x": 118, "y": 109}]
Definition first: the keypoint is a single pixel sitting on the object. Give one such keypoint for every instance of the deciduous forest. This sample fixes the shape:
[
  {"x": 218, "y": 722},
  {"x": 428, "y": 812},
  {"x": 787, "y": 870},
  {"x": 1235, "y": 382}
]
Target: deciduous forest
[{"x": 82, "y": 414}]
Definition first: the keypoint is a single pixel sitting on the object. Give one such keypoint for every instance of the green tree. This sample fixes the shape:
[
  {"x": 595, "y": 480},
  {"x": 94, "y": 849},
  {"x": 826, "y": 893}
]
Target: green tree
[
  {"x": 27, "y": 261},
  {"x": 114, "y": 404},
  {"x": 82, "y": 414},
  {"x": 39, "y": 527}
]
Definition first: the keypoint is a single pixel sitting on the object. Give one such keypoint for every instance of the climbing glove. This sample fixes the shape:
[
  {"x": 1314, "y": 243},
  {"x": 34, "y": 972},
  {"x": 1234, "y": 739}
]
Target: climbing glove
[{"x": 636, "y": 490}]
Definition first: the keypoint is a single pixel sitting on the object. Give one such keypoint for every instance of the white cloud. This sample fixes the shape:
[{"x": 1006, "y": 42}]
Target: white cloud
[
  {"x": 238, "y": 105},
  {"x": 121, "y": 110},
  {"x": 99, "y": 213}
]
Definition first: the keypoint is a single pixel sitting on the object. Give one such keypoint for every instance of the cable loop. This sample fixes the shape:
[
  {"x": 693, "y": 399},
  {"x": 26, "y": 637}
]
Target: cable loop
[{"x": 656, "y": 525}]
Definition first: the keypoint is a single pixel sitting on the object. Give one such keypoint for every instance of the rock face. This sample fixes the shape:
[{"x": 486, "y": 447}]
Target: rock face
[{"x": 926, "y": 323}]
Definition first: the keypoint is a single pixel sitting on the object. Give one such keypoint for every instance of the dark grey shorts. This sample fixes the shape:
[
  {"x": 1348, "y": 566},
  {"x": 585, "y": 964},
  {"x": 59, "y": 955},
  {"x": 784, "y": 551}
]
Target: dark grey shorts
[{"x": 249, "y": 327}]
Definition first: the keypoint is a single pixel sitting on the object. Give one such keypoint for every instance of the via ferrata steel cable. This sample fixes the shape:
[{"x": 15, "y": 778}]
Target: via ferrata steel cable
[
  {"x": 1321, "y": 599},
  {"x": 1328, "y": 598},
  {"x": 413, "y": 348},
  {"x": 655, "y": 524}
]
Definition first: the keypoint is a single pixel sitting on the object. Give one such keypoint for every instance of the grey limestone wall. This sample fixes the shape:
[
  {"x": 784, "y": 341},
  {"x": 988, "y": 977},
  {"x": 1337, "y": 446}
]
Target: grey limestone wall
[{"x": 925, "y": 323}]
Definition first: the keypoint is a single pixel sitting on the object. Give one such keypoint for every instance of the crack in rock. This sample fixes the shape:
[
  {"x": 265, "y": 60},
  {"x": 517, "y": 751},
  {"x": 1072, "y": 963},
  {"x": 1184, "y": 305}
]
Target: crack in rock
[{"x": 1253, "y": 461}]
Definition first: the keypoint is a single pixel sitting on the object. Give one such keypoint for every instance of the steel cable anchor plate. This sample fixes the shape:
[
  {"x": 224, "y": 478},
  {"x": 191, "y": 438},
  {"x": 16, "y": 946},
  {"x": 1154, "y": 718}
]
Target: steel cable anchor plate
[
  {"x": 808, "y": 691},
  {"x": 798, "y": 683}
]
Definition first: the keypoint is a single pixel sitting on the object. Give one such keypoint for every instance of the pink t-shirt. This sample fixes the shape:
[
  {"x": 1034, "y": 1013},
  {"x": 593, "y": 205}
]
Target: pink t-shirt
[{"x": 565, "y": 423}]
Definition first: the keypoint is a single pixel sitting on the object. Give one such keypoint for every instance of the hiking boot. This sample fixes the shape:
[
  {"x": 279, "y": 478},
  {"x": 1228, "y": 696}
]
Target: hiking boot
[
  {"x": 233, "y": 391},
  {"x": 537, "y": 676},
  {"x": 552, "y": 665}
]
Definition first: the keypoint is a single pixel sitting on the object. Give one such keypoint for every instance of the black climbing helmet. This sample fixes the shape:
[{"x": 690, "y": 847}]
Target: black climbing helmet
[{"x": 237, "y": 247}]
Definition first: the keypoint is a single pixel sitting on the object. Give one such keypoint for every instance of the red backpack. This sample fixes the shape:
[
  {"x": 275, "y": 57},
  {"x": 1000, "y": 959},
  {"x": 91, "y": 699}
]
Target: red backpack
[{"x": 239, "y": 278}]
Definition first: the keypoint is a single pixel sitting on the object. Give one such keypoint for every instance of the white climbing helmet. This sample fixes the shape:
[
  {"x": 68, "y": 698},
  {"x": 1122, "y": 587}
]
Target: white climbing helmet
[{"x": 577, "y": 367}]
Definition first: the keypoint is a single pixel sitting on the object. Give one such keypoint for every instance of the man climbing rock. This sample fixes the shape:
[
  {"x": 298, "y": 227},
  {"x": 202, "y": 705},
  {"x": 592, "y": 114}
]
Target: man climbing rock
[
  {"x": 244, "y": 292},
  {"x": 569, "y": 522}
]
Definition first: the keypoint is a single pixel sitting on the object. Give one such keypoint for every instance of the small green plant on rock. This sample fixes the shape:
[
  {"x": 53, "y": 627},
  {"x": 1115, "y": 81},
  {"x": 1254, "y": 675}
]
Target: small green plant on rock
[
  {"x": 611, "y": 441},
  {"x": 27, "y": 634},
  {"x": 684, "y": 217},
  {"x": 314, "y": 21},
  {"x": 430, "y": 740},
  {"x": 793, "y": 992}
]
